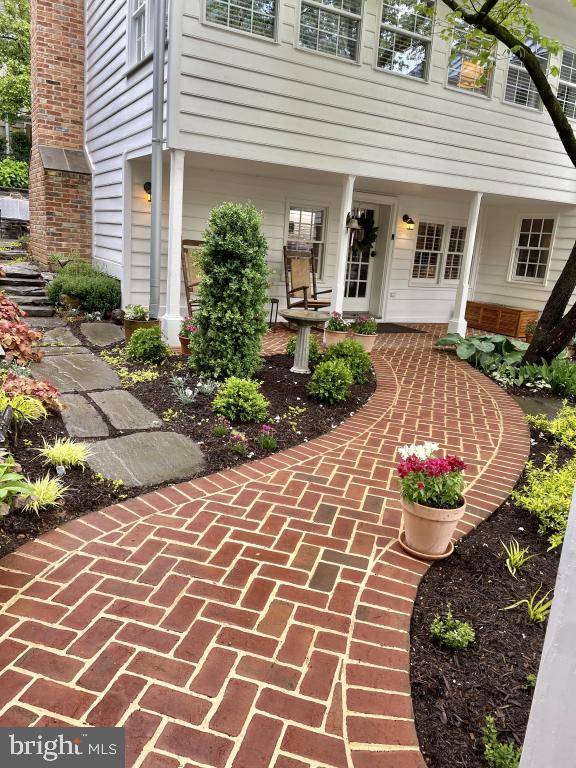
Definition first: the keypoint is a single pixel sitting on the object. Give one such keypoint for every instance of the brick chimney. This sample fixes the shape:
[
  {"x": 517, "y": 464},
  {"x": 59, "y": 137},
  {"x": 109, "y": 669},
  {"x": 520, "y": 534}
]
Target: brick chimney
[{"x": 60, "y": 175}]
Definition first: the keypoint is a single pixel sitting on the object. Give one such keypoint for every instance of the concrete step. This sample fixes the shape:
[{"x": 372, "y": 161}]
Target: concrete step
[
  {"x": 19, "y": 299},
  {"x": 38, "y": 310}
]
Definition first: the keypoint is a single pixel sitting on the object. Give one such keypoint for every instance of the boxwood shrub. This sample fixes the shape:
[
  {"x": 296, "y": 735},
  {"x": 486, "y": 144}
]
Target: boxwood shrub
[{"x": 96, "y": 291}]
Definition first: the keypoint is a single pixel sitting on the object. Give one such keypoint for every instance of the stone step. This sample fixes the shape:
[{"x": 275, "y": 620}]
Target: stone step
[
  {"x": 20, "y": 270},
  {"x": 6, "y": 281},
  {"x": 38, "y": 310},
  {"x": 22, "y": 299},
  {"x": 24, "y": 290}
]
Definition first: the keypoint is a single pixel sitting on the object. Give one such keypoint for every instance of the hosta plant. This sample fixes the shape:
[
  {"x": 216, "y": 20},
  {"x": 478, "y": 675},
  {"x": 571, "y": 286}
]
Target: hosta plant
[
  {"x": 48, "y": 395},
  {"x": 430, "y": 480},
  {"x": 17, "y": 339},
  {"x": 44, "y": 493},
  {"x": 486, "y": 351},
  {"x": 65, "y": 452}
]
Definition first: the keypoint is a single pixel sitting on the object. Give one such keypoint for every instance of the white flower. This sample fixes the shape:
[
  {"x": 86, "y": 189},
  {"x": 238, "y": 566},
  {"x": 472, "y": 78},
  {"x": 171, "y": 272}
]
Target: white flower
[{"x": 422, "y": 452}]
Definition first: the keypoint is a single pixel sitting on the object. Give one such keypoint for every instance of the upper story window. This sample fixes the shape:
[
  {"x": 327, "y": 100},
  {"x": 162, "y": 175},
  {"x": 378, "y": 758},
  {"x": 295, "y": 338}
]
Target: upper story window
[
  {"x": 532, "y": 252},
  {"x": 140, "y": 29},
  {"x": 567, "y": 85},
  {"x": 258, "y": 17},
  {"x": 405, "y": 36},
  {"x": 331, "y": 26},
  {"x": 465, "y": 70},
  {"x": 307, "y": 230},
  {"x": 519, "y": 86}
]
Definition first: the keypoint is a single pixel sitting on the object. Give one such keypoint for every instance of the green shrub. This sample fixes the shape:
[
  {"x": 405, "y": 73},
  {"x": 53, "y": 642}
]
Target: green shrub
[
  {"x": 146, "y": 345},
  {"x": 497, "y": 753},
  {"x": 562, "y": 427},
  {"x": 241, "y": 400},
  {"x": 452, "y": 633},
  {"x": 314, "y": 351},
  {"x": 96, "y": 291},
  {"x": 355, "y": 357},
  {"x": 331, "y": 381},
  {"x": 231, "y": 320},
  {"x": 13, "y": 173},
  {"x": 20, "y": 146},
  {"x": 547, "y": 493}
]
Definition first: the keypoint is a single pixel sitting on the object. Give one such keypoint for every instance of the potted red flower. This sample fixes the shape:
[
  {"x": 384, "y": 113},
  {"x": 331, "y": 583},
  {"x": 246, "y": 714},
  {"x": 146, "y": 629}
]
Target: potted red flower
[
  {"x": 187, "y": 331},
  {"x": 364, "y": 329},
  {"x": 336, "y": 329},
  {"x": 432, "y": 501}
]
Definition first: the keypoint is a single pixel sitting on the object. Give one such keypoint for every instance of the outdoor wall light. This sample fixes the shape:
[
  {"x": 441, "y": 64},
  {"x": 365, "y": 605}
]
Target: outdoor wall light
[
  {"x": 408, "y": 221},
  {"x": 148, "y": 190},
  {"x": 352, "y": 222}
]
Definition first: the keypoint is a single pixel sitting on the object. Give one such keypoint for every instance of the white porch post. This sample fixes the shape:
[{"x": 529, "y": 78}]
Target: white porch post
[
  {"x": 342, "y": 247},
  {"x": 550, "y": 737},
  {"x": 172, "y": 319},
  {"x": 458, "y": 322}
]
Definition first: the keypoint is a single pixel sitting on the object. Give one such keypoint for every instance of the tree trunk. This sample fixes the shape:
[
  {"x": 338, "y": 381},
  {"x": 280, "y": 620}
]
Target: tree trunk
[{"x": 555, "y": 329}]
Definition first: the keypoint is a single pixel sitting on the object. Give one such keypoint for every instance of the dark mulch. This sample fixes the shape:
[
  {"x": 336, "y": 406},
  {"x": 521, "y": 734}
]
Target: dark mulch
[
  {"x": 454, "y": 691},
  {"x": 395, "y": 328},
  {"x": 284, "y": 390}
]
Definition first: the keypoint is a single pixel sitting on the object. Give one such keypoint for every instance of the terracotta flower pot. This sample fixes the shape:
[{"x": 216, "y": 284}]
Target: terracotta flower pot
[
  {"x": 134, "y": 325},
  {"x": 366, "y": 340},
  {"x": 333, "y": 337},
  {"x": 184, "y": 345},
  {"x": 428, "y": 531}
]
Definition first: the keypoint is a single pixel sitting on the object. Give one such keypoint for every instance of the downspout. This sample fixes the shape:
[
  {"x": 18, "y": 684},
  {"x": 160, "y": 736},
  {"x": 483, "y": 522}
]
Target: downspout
[{"x": 157, "y": 140}]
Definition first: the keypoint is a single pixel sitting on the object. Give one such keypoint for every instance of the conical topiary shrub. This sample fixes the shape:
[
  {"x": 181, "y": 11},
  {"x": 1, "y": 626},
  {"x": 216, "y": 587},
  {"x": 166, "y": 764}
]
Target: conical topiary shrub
[{"x": 231, "y": 320}]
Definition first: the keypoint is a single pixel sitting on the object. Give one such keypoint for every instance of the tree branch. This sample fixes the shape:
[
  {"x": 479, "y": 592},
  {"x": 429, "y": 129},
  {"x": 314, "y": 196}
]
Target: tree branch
[{"x": 532, "y": 65}]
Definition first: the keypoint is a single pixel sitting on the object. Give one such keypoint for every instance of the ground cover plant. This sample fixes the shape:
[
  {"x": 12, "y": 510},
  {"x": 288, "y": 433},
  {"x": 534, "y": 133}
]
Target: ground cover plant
[{"x": 454, "y": 693}]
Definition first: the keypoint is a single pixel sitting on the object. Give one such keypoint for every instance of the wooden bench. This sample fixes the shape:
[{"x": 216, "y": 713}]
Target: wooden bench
[{"x": 497, "y": 318}]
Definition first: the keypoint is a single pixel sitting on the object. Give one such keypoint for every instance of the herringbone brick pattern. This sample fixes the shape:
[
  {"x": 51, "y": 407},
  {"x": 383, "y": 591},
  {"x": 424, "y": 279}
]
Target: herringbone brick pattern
[{"x": 258, "y": 617}]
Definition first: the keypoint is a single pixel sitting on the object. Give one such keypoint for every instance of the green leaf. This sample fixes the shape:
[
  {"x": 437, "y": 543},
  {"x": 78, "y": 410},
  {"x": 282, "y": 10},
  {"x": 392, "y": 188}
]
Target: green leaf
[
  {"x": 450, "y": 340},
  {"x": 466, "y": 350},
  {"x": 484, "y": 346}
]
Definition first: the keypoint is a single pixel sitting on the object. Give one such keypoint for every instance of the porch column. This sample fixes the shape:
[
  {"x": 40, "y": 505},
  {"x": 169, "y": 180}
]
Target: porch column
[
  {"x": 172, "y": 319},
  {"x": 458, "y": 322},
  {"x": 342, "y": 246}
]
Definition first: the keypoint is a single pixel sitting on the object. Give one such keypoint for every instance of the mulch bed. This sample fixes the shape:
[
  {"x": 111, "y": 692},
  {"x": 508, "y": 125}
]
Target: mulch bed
[
  {"x": 283, "y": 389},
  {"x": 454, "y": 691}
]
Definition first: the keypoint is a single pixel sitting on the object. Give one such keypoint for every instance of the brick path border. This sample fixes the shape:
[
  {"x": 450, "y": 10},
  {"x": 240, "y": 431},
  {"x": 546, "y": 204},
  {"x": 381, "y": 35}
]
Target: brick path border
[{"x": 260, "y": 616}]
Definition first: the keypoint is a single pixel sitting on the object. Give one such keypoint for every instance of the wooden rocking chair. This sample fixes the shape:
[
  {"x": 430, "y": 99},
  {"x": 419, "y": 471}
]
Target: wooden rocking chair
[
  {"x": 300, "y": 275},
  {"x": 191, "y": 271}
]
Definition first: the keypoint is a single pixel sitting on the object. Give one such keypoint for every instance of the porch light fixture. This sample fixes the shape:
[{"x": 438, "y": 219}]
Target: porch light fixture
[
  {"x": 408, "y": 221},
  {"x": 352, "y": 222},
  {"x": 148, "y": 190}
]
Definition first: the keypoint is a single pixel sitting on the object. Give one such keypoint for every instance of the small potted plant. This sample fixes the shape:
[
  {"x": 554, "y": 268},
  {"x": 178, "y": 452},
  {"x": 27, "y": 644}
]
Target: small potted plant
[
  {"x": 187, "y": 331},
  {"x": 136, "y": 316},
  {"x": 571, "y": 348},
  {"x": 530, "y": 330},
  {"x": 364, "y": 329},
  {"x": 336, "y": 329},
  {"x": 432, "y": 503}
]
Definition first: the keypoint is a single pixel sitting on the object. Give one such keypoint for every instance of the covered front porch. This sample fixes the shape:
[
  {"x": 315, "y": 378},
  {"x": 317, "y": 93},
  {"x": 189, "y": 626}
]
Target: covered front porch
[{"x": 430, "y": 249}]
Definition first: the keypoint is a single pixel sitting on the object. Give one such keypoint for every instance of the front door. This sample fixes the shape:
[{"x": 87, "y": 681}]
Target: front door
[{"x": 361, "y": 253}]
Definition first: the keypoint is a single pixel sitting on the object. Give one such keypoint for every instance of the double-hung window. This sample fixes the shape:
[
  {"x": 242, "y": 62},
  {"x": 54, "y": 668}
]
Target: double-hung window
[
  {"x": 466, "y": 70},
  {"x": 519, "y": 86},
  {"x": 140, "y": 29},
  {"x": 331, "y": 26},
  {"x": 406, "y": 36},
  {"x": 567, "y": 85},
  {"x": 258, "y": 17},
  {"x": 532, "y": 251},
  {"x": 307, "y": 230},
  {"x": 439, "y": 252}
]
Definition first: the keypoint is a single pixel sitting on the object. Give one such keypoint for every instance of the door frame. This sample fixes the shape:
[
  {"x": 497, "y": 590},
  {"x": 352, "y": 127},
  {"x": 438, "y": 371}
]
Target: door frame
[{"x": 388, "y": 250}]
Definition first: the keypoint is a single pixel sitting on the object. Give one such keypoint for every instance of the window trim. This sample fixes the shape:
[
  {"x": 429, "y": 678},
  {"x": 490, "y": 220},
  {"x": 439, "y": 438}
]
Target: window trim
[
  {"x": 540, "y": 108},
  {"x": 274, "y": 40},
  {"x": 440, "y": 281},
  {"x": 133, "y": 62},
  {"x": 535, "y": 282},
  {"x": 332, "y": 56},
  {"x": 430, "y": 40},
  {"x": 303, "y": 205},
  {"x": 567, "y": 83}
]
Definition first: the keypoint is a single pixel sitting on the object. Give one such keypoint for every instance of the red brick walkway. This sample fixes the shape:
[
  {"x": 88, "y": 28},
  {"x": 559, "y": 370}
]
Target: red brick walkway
[{"x": 258, "y": 617}]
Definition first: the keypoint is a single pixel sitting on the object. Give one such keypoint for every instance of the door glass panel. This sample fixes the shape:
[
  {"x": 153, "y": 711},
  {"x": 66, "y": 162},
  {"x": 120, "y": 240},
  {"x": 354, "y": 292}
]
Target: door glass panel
[{"x": 359, "y": 255}]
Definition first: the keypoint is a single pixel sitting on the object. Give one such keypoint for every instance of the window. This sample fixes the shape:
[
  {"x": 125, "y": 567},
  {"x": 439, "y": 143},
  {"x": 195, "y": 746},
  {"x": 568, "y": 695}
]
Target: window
[
  {"x": 439, "y": 252},
  {"x": 331, "y": 26},
  {"x": 519, "y": 87},
  {"x": 465, "y": 71},
  {"x": 567, "y": 86},
  {"x": 532, "y": 253},
  {"x": 405, "y": 36},
  {"x": 306, "y": 229},
  {"x": 140, "y": 29},
  {"x": 255, "y": 16}
]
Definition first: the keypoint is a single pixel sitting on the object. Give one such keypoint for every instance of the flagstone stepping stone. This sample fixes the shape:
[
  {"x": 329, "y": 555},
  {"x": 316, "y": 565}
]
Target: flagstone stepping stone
[
  {"x": 46, "y": 322},
  {"x": 124, "y": 411},
  {"x": 76, "y": 373},
  {"x": 102, "y": 334},
  {"x": 81, "y": 419},
  {"x": 146, "y": 458},
  {"x": 61, "y": 336},
  {"x": 50, "y": 350}
]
